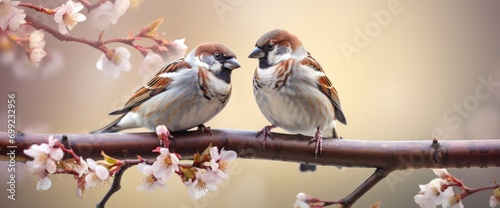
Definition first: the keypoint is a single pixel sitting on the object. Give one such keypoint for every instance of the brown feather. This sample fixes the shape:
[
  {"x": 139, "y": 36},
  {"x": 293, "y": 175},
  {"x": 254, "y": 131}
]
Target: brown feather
[
  {"x": 326, "y": 87},
  {"x": 154, "y": 87}
]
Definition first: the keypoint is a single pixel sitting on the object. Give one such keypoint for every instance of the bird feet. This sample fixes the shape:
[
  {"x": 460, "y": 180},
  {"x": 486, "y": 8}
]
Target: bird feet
[
  {"x": 318, "y": 139},
  {"x": 202, "y": 128},
  {"x": 164, "y": 135},
  {"x": 267, "y": 133}
]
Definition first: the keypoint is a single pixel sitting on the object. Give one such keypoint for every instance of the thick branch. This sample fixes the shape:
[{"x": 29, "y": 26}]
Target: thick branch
[{"x": 386, "y": 155}]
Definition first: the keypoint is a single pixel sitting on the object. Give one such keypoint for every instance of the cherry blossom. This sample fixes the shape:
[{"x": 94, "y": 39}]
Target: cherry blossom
[
  {"x": 108, "y": 13},
  {"x": 150, "y": 182},
  {"x": 431, "y": 194},
  {"x": 44, "y": 182},
  {"x": 119, "y": 62},
  {"x": 220, "y": 162},
  {"x": 171, "y": 51},
  {"x": 442, "y": 173},
  {"x": 454, "y": 201},
  {"x": 81, "y": 168},
  {"x": 152, "y": 62},
  {"x": 36, "y": 44},
  {"x": 10, "y": 16},
  {"x": 495, "y": 198},
  {"x": 301, "y": 201},
  {"x": 306, "y": 201},
  {"x": 45, "y": 156},
  {"x": 165, "y": 165},
  {"x": 201, "y": 185},
  {"x": 67, "y": 16},
  {"x": 98, "y": 174}
]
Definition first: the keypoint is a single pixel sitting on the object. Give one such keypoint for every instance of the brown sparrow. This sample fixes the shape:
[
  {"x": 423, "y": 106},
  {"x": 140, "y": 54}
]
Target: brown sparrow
[
  {"x": 185, "y": 93},
  {"x": 291, "y": 89}
]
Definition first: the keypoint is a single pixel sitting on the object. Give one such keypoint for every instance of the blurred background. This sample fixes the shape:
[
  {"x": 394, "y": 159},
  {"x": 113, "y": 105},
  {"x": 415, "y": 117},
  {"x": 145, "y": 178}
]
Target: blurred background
[{"x": 405, "y": 70}]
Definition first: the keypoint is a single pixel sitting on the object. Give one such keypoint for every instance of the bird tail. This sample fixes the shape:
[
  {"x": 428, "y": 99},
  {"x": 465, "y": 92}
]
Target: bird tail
[{"x": 111, "y": 127}]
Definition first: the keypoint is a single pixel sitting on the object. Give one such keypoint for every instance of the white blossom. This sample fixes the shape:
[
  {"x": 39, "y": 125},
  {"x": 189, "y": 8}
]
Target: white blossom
[
  {"x": 220, "y": 162},
  {"x": 108, "y": 13},
  {"x": 120, "y": 61},
  {"x": 36, "y": 44},
  {"x": 152, "y": 62},
  {"x": 45, "y": 156},
  {"x": 442, "y": 173},
  {"x": 97, "y": 176},
  {"x": 431, "y": 195},
  {"x": 172, "y": 51},
  {"x": 82, "y": 168},
  {"x": 165, "y": 165},
  {"x": 43, "y": 184},
  {"x": 67, "y": 16},
  {"x": 495, "y": 198},
  {"x": 201, "y": 185},
  {"x": 453, "y": 202},
  {"x": 150, "y": 182},
  {"x": 10, "y": 16},
  {"x": 301, "y": 201}
]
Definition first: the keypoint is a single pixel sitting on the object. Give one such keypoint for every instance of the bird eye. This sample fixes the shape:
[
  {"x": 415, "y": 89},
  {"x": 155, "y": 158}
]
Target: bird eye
[
  {"x": 270, "y": 46},
  {"x": 217, "y": 55}
]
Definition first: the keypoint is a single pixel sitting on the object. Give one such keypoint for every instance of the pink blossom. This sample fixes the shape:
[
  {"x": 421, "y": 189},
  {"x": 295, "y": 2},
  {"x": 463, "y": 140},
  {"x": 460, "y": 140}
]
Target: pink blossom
[
  {"x": 120, "y": 61},
  {"x": 220, "y": 162},
  {"x": 150, "y": 182},
  {"x": 97, "y": 175},
  {"x": 67, "y": 16},
  {"x": 165, "y": 165},
  {"x": 45, "y": 156},
  {"x": 10, "y": 16},
  {"x": 108, "y": 13}
]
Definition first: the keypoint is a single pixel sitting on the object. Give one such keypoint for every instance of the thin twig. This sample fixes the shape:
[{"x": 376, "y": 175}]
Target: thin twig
[
  {"x": 369, "y": 183},
  {"x": 63, "y": 37},
  {"x": 38, "y": 8},
  {"x": 98, "y": 44},
  {"x": 116, "y": 185}
]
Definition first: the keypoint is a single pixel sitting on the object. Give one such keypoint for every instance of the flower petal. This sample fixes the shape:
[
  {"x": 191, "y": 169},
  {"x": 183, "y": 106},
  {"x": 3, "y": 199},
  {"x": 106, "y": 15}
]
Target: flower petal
[
  {"x": 214, "y": 153},
  {"x": 228, "y": 155},
  {"x": 91, "y": 163},
  {"x": 43, "y": 184},
  {"x": 101, "y": 172},
  {"x": 56, "y": 154},
  {"x": 50, "y": 166}
]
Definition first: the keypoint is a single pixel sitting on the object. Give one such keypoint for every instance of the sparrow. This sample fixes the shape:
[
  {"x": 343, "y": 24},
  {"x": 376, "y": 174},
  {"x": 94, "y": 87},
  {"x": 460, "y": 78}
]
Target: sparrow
[
  {"x": 292, "y": 90},
  {"x": 184, "y": 94}
]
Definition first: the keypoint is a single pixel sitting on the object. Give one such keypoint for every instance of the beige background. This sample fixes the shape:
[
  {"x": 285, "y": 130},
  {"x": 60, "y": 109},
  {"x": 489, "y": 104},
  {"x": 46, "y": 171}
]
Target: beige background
[{"x": 425, "y": 60}]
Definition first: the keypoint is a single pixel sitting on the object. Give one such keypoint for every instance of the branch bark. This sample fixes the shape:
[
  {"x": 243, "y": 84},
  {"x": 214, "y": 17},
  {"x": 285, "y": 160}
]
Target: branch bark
[{"x": 385, "y": 156}]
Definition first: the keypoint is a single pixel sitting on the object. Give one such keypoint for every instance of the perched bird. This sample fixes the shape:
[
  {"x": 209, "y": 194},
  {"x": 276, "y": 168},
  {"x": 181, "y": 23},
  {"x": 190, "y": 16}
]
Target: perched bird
[
  {"x": 292, "y": 90},
  {"x": 184, "y": 94}
]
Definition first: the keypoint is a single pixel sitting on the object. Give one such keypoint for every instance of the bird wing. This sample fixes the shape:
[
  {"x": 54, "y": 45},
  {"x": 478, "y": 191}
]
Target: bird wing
[
  {"x": 155, "y": 86},
  {"x": 326, "y": 87}
]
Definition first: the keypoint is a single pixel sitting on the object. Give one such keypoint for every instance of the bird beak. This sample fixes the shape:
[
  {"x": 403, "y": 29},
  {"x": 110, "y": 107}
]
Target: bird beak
[
  {"x": 257, "y": 53},
  {"x": 231, "y": 63}
]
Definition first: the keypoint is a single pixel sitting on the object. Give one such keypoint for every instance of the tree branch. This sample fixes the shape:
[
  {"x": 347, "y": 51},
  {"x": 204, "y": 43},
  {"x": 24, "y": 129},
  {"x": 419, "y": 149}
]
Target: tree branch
[{"x": 386, "y": 156}]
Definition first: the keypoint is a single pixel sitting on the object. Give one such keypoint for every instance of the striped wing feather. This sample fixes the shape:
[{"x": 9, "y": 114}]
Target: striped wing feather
[
  {"x": 326, "y": 87},
  {"x": 154, "y": 87}
]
